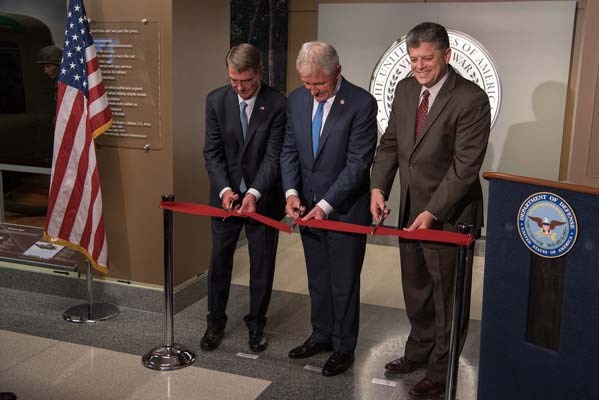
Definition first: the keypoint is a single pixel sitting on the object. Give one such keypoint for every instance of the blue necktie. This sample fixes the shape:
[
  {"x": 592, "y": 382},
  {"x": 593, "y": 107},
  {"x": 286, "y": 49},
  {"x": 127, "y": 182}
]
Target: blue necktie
[
  {"x": 316, "y": 125},
  {"x": 243, "y": 117},
  {"x": 244, "y": 127}
]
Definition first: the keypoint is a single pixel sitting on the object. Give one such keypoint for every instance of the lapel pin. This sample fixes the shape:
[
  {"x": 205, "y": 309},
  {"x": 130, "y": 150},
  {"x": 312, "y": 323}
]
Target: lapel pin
[
  {"x": 342, "y": 101},
  {"x": 262, "y": 108}
]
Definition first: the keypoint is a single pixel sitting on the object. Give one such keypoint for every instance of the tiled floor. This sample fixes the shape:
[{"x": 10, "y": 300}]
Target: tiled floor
[{"x": 42, "y": 357}]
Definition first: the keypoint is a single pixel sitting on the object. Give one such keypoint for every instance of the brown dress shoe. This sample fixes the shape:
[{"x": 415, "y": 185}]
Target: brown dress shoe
[
  {"x": 427, "y": 389},
  {"x": 403, "y": 366}
]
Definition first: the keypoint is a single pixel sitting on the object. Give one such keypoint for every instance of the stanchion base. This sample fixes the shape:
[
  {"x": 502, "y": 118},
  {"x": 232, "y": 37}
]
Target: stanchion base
[
  {"x": 80, "y": 314},
  {"x": 167, "y": 358}
]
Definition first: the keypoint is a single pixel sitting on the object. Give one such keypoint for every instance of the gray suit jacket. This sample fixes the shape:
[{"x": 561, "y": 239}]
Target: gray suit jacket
[{"x": 440, "y": 170}]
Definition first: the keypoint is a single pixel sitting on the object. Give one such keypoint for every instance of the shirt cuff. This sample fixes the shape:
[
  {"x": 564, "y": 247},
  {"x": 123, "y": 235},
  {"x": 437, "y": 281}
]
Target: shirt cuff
[
  {"x": 291, "y": 192},
  {"x": 325, "y": 206},
  {"x": 255, "y": 192},
  {"x": 434, "y": 216},
  {"x": 220, "y": 195}
]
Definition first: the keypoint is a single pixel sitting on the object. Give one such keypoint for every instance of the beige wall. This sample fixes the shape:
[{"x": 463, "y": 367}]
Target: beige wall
[
  {"x": 200, "y": 42},
  {"x": 132, "y": 180},
  {"x": 193, "y": 39}
]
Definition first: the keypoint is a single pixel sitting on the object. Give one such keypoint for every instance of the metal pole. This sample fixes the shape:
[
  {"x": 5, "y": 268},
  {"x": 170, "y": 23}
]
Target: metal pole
[
  {"x": 90, "y": 313},
  {"x": 457, "y": 325},
  {"x": 168, "y": 273},
  {"x": 90, "y": 293},
  {"x": 170, "y": 356}
]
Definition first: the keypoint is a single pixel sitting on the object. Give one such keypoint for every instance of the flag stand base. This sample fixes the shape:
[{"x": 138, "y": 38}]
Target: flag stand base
[
  {"x": 167, "y": 358},
  {"x": 90, "y": 312}
]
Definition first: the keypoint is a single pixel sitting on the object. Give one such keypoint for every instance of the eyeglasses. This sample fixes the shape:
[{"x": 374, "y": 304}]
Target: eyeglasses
[
  {"x": 316, "y": 85},
  {"x": 236, "y": 82}
]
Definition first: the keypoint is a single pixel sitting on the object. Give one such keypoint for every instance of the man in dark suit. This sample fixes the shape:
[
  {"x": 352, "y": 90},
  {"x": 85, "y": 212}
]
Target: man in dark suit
[
  {"x": 437, "y": 136},
  {"x": 245, "y": 127},
  {"x": 329, "y": 145}
]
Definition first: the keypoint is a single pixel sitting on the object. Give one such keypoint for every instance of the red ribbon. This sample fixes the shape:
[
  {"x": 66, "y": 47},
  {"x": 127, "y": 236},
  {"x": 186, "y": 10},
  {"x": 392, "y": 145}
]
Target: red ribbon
[{"x": 429, "y": 235}]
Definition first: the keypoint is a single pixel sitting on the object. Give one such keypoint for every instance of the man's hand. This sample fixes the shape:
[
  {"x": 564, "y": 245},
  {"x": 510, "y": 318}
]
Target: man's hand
[
  {"x": 248, "y": 204},
  {"x": 377, "y": 206},
  {"x": 294, "y": 207},
  {"x": 228, "y": 198},
  {"x": 424, "y": 220},
  {"x": 315, "y": 213}
]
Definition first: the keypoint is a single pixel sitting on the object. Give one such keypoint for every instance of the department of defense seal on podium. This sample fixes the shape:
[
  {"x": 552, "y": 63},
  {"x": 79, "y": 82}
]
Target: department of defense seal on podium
[{"x": 547, "y": 225}]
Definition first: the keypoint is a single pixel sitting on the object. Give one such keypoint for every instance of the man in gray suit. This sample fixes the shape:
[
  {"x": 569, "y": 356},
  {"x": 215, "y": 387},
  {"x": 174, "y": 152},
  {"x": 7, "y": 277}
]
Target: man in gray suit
[{"x": 437, "y": 136}]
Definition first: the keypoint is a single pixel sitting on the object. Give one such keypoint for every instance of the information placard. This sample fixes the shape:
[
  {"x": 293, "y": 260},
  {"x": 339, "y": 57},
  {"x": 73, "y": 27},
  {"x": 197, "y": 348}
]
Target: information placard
[
  {"x": 23, "y": 244},
  {"x": 129, "y": 57}
]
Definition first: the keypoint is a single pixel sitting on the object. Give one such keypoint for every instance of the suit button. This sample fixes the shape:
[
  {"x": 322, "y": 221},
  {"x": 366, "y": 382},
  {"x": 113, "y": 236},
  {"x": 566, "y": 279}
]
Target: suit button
[{"x": 411, "y": 166}]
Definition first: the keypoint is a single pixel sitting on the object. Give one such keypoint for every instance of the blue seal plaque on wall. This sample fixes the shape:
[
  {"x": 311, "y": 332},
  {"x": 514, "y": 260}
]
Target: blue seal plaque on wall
[{"x": 547, "y": 225}]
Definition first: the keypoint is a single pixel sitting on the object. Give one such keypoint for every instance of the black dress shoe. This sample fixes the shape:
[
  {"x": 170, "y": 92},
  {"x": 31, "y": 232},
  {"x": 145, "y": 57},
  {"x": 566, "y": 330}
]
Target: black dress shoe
[
  {"x": 211, "y": 339},
  {"x": 309, "y": 348},
  {"x": 403, "y": 366},
  {"x": 337, "y": 363},
  {"x": 258, "y": 341},
  {"x": 427, "y": 389}
]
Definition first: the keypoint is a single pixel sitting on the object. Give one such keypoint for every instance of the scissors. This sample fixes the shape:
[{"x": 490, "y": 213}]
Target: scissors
[
  {"x": 386, "y": 212},
  {"x": 229, "y": 209},
  {"x": 300, "y": 212}
]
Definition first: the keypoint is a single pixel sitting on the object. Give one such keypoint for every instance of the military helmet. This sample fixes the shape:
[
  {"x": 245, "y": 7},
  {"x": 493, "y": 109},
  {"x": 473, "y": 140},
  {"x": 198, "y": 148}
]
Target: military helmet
[{"x": 49, "y": 55}]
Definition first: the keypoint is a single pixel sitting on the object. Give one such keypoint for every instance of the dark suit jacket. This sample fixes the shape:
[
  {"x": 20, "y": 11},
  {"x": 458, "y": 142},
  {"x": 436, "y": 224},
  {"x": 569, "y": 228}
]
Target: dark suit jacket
[
  {"x": 340, "y": 171},
  {"x": 228, "y": 157},
  {"x": 441, "y": 169}
]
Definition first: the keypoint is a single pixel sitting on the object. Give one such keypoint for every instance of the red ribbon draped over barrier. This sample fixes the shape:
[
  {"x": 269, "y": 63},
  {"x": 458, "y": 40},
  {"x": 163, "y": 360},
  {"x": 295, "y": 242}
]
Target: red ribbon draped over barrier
[{"x": 429, "y": 235}]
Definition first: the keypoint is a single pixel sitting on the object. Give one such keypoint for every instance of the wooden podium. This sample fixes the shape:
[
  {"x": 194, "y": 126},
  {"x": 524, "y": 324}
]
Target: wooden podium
[{"x": 540, "y": 321}]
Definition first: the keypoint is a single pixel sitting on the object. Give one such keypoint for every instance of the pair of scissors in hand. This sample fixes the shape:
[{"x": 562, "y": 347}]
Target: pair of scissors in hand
[
  {"x": 384, "y": 215},
  {"x": 300, "y": 213}
]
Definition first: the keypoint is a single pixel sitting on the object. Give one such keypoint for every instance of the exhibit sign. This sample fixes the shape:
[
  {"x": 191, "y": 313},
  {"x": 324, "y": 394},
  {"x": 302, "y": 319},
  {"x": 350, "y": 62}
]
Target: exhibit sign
[{"x": 129, "y": 57}]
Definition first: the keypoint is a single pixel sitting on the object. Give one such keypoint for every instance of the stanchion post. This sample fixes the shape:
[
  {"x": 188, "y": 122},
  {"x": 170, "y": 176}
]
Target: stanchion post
[
  {"x": 90, "y": 313},
  {"x": 170, "y": 356},
  {"x": 169, "y": 297},
  {"x": 457, "y": 325}
]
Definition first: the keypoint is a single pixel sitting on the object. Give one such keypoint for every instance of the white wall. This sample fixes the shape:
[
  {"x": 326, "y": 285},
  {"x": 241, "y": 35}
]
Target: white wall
[{"x": 530, "y": 43}]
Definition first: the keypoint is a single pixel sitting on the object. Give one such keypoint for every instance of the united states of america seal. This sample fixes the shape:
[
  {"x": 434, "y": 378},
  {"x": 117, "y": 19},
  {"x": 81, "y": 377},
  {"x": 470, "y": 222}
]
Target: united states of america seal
[{"x": 468, "y": 58}]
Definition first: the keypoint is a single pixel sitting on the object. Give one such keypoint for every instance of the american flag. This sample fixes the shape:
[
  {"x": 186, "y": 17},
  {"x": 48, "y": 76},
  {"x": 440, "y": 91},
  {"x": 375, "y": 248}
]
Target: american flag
[{"x": 74, "y": 216}]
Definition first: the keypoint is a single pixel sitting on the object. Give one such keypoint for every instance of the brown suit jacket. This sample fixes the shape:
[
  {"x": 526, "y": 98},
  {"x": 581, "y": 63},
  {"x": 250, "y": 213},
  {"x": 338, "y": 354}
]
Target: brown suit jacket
[{"x": 440, "y": 170}]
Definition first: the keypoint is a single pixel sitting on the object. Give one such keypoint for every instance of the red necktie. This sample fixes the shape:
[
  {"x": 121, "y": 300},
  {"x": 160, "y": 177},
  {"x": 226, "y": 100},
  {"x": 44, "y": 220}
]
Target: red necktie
[{"x": 422, "y": 112}]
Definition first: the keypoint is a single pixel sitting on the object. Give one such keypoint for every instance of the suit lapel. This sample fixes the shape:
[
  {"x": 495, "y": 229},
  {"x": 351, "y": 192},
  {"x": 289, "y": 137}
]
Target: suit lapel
[
  {"x": 257, "y": 116},
  {"x": 412, "y": 109},
  {"x": 306, "y": 122},
  {"x": 233, "y": 104},
  {"x": 335, "y": 112}
]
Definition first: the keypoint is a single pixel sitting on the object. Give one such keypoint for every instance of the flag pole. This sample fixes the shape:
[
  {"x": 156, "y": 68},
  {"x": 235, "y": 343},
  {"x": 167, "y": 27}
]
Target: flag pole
[
  {"x": 90, "y": 312},
  {"x": 170, "y": 356}
]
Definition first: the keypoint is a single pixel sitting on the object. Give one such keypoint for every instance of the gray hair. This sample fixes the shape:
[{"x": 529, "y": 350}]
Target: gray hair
[
  {"x": 243, "y": 57},
  {"x": 317, "y": 55},
  {"x": 428, "y": 32}
]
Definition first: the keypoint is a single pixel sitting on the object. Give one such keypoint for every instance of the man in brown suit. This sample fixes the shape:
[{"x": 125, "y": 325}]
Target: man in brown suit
[{"x": 437, "y": 136}]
